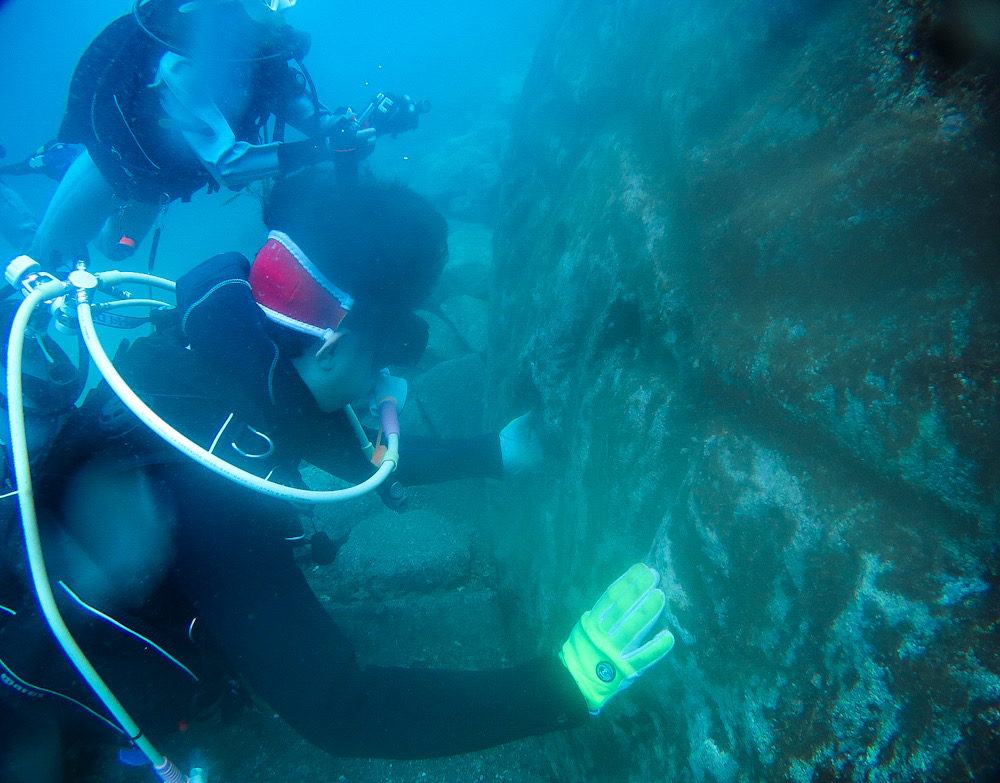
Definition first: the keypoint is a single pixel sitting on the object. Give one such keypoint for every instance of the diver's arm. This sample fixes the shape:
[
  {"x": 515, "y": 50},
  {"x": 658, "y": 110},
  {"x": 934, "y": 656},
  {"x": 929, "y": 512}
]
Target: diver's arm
[
  {"x": 516, "y": 449},
  {"x": 422, "y": 460},
  {"x": 433, "y": 460},
  {"x": 198, "y": 120},
  {"x": 196, "y": 117},
  {"x": 259, "y": 608},
  {"x": 392, "y": 712}
]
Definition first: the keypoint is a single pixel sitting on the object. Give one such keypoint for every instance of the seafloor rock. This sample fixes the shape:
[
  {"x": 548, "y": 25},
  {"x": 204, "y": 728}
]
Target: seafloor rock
[
  {"x": 469, "y": 316},
  {"x": 443, "y": 341},
  {"x": 392, "y": 554},
  {"x": 452, "y": 629},
  {"x": 746, "y": 272},
  {"x": 462, "y": 178},
  {"x": 470, "y": 253},
  {"x": 449, "y": 397}
]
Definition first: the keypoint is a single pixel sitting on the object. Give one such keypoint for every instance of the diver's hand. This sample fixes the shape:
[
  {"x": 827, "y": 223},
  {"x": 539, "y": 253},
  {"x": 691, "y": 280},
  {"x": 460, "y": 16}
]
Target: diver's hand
[
  {"x": 348, "y": 138},
  {"x": 520, "y": 447},
  {"x": 387, "y": 387},
  {"x": 605, "y": 651},
  {"x": 341, "y": 141}
]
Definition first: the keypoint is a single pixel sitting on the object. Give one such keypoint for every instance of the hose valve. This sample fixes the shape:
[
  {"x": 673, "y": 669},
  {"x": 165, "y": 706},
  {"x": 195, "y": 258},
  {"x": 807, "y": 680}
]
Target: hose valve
[
  {"x": 64, "y": 308},
  {"x": 25, "y": 274}
]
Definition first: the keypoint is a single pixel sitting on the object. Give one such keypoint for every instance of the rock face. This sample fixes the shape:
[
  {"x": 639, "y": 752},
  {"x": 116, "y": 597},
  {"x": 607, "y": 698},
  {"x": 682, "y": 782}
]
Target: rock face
[{"x": 747, "y": 274}]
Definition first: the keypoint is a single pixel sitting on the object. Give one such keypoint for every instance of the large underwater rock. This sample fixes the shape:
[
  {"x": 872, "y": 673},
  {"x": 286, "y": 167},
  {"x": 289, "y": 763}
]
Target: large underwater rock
[{"x": 746, "y": 272}]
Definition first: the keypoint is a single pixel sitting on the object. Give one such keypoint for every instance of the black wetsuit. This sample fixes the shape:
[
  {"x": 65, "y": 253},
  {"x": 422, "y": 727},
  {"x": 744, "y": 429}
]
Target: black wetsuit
[{"x": 233, "y": 569}]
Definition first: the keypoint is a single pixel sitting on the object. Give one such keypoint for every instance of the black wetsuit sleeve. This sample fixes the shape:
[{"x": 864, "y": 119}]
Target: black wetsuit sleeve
[
  {"x": 431, "y": 460},
  {"x": 295, "y": 155},
  {"x": 330, "y": 445},
  {"x": 260, "y": 609}
]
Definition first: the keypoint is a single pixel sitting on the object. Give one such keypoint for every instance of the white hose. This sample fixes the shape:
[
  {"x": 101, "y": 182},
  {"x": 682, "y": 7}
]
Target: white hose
[
  {"x": 114, "y": 277},
  {"x": 156, "y": 304},
  {"x": 359, "y": 432},
  {"x": 191, "y": 449},
  {"x": 32, "y": 538}
]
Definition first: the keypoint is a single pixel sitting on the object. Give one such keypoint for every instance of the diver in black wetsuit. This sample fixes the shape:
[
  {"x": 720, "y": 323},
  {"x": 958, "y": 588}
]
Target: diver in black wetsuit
[{"x": 260, "y": 361}]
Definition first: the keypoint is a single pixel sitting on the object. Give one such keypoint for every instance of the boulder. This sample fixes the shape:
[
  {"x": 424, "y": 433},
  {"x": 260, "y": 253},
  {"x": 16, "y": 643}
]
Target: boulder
[
  {"x": 469, "y": 317},
  {"x": 450, "y": 396},
  {"x": 390, "y": 554}
]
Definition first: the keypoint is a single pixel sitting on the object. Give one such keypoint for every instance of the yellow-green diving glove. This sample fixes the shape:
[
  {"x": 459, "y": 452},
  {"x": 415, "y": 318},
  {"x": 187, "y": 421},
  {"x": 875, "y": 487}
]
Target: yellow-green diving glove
[{"x": 605, "y": 651}]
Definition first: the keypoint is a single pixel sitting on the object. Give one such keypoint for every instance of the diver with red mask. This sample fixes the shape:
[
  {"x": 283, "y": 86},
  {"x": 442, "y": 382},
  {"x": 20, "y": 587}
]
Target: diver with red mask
[{"x": 256, "y": 363}]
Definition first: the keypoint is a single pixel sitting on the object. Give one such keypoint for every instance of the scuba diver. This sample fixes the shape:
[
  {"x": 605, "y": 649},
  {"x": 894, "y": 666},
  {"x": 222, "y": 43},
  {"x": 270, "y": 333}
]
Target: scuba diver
[
  {"x": 185, "y": 94},
  {"x": 179, "y": 584}
]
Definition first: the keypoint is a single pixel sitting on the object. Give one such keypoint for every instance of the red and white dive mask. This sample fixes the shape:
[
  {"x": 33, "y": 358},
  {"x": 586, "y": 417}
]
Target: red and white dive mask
[{"x": 292, "y": 291}]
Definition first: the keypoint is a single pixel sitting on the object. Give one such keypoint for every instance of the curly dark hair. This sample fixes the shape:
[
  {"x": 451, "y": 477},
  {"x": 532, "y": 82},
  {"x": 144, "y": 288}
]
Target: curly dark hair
[{"x": 379, "y": 241}]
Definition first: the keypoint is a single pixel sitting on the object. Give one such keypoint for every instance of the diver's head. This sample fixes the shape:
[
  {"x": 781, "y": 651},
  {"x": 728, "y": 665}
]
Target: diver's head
[
  {"x": 220, "y": 31},
  {"x": 258, "y": 9},
  {"x": 345, "y": 265},
  {"x": 266, "y": 10},
  {"x": 276, "y": 5},
  {"x": 378, "y": 240}
]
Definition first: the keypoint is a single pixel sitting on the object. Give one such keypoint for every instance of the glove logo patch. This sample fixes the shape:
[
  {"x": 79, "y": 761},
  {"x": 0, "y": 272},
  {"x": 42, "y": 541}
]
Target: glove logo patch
[{"x": 605, "y": 671}]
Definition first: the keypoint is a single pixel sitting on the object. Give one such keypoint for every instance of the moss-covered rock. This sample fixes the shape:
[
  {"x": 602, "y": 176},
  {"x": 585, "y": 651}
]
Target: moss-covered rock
[{"x": 746, "y": 272}]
